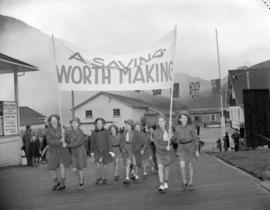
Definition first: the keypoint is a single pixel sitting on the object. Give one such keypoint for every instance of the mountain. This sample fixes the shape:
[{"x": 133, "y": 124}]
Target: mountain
[{"x": 38, "y": 89}]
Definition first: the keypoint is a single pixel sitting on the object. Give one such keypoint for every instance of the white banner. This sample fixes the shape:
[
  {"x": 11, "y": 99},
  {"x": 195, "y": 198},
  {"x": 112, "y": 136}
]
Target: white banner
[{"x": 149, "y": 69}]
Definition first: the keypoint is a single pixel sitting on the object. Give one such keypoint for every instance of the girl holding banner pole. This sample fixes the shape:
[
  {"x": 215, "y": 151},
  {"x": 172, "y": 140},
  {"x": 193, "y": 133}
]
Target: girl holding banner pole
[
  {"x": 188, "y": 147},
  {"x": 164, "y": 152},
  {"x": 102, "y": 149},
  {"x": 58, "y": 156}
]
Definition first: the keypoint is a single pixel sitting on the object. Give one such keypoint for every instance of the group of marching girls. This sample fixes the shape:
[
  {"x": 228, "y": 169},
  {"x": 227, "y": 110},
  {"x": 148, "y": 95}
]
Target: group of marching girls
[{"x": 139, "y": 148}]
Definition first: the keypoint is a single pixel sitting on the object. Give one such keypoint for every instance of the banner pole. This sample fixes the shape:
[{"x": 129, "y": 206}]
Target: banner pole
[
  {"x": 222, "y": 120},
  {"x": 58, "y": 94},
  {"x": 172, "y": 87}
]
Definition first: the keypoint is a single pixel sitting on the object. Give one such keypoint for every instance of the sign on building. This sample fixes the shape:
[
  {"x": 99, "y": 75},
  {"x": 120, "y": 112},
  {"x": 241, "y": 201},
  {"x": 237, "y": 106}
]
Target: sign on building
[{"x": 10, "y": 121}]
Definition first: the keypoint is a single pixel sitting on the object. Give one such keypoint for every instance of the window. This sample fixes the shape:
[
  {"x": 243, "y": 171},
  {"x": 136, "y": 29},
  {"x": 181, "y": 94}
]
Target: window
[
  {"x": 88, "y": 114},
  {"x": 116, "y": 112},
  {"x": 213, "y": 117}
]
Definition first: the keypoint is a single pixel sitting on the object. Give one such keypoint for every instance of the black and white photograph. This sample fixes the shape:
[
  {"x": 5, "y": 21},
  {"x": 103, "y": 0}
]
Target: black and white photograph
[{"x": 134, "y": 105}]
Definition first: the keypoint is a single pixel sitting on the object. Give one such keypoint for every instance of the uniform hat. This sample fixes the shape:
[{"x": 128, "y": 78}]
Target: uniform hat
[
  {"x": 130, "y": 122},
  {"x": 114, "y": 126},
  {"x": 75, "y": 119},
  {"x": 53, "y": 115},
  {"x": 101, "y": 119},
  {"x": 162, "y": 116},
  {"x": 183, "y": 112}
]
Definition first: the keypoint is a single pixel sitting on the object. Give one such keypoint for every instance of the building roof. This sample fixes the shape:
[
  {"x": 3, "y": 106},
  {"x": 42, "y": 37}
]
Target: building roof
[
  {"x": 133, "y": 102},
  {"x": 29, "y": 116},
  {"x": 259, "y": 78},
  {"x": 10, "y": 65},
  {"x": 157, "y": 104},
  {"x": 204, "y": 111}
]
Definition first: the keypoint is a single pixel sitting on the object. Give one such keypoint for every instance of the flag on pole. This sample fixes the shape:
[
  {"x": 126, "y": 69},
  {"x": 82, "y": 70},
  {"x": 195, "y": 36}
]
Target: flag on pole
[
  {"x": 216, "y": 87},
  {"x": 194, "y": 89},
  {"x": 176, "y": 90},
  {"x": 149, "y": 69}
]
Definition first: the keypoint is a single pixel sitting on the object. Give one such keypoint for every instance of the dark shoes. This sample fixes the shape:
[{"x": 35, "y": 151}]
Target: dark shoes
[
  {"x": 98, "y": 180},
  {"x": 81, "y": 187},
  {"x": 55, "y": 187},
  {"x": 133, "y": 178},
  {"x": 61, "y": 187},
  {"x": 188, "y": 187},
  {"x": 126, "y": 182},
  {"x": 104, "y": 181},
  {"x": 116, "y": 178},
  {"x": 185, "y": 187},
  {"x": 161, "y": 188}
]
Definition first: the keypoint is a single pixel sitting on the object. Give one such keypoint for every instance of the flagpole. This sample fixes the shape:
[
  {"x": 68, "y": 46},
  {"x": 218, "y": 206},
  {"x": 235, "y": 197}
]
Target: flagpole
[
  {"x": 171, "y": 99},
  {"x": 222, "y": 123},
  {"x": 58, "y": 94}
]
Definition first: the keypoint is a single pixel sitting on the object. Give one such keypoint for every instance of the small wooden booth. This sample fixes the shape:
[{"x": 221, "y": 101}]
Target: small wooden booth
[{"x": 10, "y": 140}]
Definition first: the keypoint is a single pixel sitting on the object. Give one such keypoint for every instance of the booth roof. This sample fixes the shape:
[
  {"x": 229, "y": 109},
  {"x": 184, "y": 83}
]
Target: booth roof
[{"x": 10, "y": 65}]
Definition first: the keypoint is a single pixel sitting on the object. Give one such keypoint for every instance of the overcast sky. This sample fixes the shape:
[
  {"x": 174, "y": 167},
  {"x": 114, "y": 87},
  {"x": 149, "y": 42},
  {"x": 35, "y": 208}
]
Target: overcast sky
[{"x": 125, "y": 26}]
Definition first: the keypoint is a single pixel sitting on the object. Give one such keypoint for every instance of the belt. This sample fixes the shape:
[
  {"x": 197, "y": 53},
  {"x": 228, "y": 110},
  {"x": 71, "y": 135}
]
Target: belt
[
  {"x": 116, "y": 146},
  {"x": 186, "y": 142}
]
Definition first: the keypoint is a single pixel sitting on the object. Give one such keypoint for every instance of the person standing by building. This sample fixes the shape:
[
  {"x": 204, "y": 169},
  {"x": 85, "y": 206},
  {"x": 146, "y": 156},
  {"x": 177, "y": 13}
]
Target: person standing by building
[
  {"x": 34, "y": 150},
  {"x": 131, "y": 147},
  {"x": 58, "y": 156},
  {"x": 26, "y": 142},
  {"x": 188, "y": 147},
  {"x": 164, "y": 152},
  {"x": 75, "y": 140},
  {"x": 236, "y": 137},
  {"x": 219, "y": 147},
  {"x": 101, "y": 147},
  {"x": 226, "y": 142},
  {"x": 116, "y": 138}
]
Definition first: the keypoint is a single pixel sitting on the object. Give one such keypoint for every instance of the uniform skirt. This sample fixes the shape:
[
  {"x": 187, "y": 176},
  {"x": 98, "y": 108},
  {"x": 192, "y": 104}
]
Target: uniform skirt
[
  {"x": 165, "y": 157},
  {"x": 116, "y": 151},
  {"x": 58, "y": 155},
  {"x": 187, "y": 152},
  {"x": 79, "y": 158},
  {"x": 104, "y": 157},
  {"x": 134, "y": 157}
]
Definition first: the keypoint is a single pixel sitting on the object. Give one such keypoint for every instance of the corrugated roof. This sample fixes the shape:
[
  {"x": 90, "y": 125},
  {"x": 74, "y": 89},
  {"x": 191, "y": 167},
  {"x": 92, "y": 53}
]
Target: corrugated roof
[{"x": 29, "y": 116}]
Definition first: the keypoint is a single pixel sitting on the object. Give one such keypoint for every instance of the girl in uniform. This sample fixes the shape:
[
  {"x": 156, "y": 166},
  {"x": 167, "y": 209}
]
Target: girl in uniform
[
  {"x": 116, "y": 138},
  {"x": 75, "y": 141},
  {"x": 188, "y": 147},
  {"x": 146, "y": 152},
  {"x": 131, "y": 146},
  {"x": 58, "y": 156},
  {"x": 101, "y": 146},
  {"x": 164, "y": 152}
]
